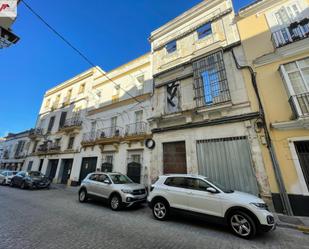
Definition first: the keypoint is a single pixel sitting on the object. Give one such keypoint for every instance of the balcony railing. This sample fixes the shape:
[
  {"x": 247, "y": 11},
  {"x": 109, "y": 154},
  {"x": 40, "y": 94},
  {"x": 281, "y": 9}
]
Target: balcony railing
[
  {"x": 295, "y": 32},
  {"x": 300, "y": 104},
  {"x": 109, "y": 132},
  {"x": 138, "y": 128},
  {"x": 72, "y": 122},
  {"x": 89, "y": 137},
  {"x": 49, "y": 147},
  {"x": 106, "y": 133},
  {"x": 36, "y": 132}
]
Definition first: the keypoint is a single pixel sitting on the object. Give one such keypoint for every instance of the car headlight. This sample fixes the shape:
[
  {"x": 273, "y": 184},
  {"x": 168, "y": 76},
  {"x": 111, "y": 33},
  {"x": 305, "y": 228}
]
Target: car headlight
[
  {"x": 127, "y": 191},
  {"x": 260, "y": 205}
]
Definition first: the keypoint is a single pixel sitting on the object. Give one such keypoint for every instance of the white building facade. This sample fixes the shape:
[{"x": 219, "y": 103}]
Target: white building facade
[
  {"x": 203, "y": 121},
  {"x": 14, "y": 150}
]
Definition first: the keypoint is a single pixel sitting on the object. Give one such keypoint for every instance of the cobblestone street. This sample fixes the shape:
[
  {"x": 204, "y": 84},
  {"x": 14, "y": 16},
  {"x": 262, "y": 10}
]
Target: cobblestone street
[{"x": 55, "y": 219}]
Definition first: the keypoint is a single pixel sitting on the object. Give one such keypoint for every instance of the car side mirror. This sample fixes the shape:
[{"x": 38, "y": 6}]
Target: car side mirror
[
  {"x": 211, "y": 190},
  {"x": 106, "y": 182}
]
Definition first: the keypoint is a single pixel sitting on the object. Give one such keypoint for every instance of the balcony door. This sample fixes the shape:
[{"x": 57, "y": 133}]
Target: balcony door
[
  {"x": 296, "y": 78},
  {"x": 138, "y": 122}
]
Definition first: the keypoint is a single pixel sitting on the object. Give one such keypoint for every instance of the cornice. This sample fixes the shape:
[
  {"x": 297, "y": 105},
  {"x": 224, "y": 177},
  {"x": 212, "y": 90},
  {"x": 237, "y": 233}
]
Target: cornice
[{"x": 185, "y": 17}]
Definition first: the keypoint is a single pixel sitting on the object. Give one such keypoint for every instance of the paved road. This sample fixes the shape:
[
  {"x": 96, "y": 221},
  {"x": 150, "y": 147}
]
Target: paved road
[{"x": 55, "y": 219}]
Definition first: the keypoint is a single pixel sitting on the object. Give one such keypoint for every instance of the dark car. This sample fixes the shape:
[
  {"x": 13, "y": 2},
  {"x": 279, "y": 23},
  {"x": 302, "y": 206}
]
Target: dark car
[{"x": 31, "y": 179}]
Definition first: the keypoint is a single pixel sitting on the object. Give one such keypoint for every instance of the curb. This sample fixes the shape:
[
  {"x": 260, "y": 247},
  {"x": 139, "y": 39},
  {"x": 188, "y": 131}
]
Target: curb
[{"x": 304, "y": 229}]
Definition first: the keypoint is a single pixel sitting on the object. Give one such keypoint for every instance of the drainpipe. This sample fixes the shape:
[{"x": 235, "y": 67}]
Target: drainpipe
[{"x": 287, "y": 209}]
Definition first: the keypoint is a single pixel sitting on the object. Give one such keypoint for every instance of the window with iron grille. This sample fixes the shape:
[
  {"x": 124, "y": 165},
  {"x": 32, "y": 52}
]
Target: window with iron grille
[{"x": 210, "y": 81}]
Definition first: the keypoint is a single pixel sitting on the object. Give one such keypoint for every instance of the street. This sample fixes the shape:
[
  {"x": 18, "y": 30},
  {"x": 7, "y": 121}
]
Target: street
[{"x": 55, "y": 219}]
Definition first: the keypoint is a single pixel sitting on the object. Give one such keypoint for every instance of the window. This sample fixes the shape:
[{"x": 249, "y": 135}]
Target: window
[
  {"x": 29, "y": 166},
  {"x": 51, "y": 123},
  {"x": 81, "y": 88},
  {"x": 179, "y": 182},
  {"x": 71, "y": 142},
  {"x": 171, "y": 47},
  {"x": 47, "y": 103},
  {"x": 102, "y": 178},
  {"x": 204, "y": 30},
  {"x": 57, "y": 141},
  {"x": 140, "y": 84},
  {"x": 62, "y": 119},
  {"x": 93, "y": 177},
  {"x": 210, "y": 81},
  {"x": 34, "y": 146},
  {"x": 57, "y": 100},
  {"x": 297, "y": 75},
  {"x": 197, "y": 184},
  {"x": 286, "y": 14},
  {"x": 173, "y": 97},
  {"x": 138, "y": 116},
  {"x": 296, "y": 78},
  {"x": 114, "y": 122}
]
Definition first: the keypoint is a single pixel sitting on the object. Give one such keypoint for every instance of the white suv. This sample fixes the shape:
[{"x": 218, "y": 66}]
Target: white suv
[{"x": 244, "y": 213}]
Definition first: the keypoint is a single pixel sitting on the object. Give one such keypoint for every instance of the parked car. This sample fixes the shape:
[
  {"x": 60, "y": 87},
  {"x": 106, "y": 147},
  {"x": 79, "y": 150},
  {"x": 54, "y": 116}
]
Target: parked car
[
  {"x": 117, "y": 188},
  {"x": 6, "y": 176},
  {"x": 31, "y": 179},
  {"x": 244, "y": 213}
]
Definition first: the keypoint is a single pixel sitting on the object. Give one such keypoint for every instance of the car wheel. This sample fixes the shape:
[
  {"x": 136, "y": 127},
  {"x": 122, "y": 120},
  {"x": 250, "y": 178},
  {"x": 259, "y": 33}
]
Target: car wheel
[
  {"x": 160, "y": 210},
  {"x": 82, "y": 196},
  {"x": 115, "y": 203},
  {"x": 23, "y": 185},
  {"x": 242, "y": 225}
]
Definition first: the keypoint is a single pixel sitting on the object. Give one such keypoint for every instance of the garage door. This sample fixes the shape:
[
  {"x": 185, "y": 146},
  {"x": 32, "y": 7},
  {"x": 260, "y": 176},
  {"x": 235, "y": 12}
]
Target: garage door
[{"x": 228, "y": 161}]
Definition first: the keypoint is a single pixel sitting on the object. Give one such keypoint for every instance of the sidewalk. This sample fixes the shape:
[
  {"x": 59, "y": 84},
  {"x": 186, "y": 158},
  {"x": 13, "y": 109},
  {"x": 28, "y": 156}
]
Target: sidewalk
[{"x": 294, "y": 222}]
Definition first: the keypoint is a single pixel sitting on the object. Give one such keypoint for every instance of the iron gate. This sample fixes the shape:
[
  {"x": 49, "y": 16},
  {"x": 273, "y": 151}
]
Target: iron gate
[{"x": 228, "y": 162}]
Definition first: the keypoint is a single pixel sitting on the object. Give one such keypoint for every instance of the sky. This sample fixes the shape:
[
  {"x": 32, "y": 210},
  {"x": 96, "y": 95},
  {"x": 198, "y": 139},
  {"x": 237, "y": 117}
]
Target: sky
[{"x": 110, "y": 33}]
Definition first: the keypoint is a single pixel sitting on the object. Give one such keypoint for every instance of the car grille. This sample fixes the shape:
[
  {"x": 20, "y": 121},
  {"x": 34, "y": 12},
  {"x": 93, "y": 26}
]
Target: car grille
[{"x": 139, "y": 192}]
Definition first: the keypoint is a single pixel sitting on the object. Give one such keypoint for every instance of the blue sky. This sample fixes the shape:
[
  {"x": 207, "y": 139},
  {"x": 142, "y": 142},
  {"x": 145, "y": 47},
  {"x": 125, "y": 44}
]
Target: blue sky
[{"x": 110, "y": 33}]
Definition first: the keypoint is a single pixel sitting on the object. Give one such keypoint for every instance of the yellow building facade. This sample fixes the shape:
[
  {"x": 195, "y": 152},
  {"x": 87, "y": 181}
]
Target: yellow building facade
[{"x": 275, "y": 39}]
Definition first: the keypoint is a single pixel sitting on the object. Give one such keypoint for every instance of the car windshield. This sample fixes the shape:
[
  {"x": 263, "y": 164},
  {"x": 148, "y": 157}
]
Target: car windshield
[
  {"x": 219, "y": 186},
  {"x": 35, "y": 174},
  {"x": 120, "y": 179}
]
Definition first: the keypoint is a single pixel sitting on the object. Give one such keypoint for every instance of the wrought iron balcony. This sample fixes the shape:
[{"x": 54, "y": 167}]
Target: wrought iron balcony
[
  {"x": 89, "y": 137},
  {"x": 136, "y": 129},
  {"x": 105, "y": 135},
  {"x": 300, "y": 104},
  {"x": 295, "y": 32},
  {"x": 109, "y": 132},
  {"x": 72, "y": 122},
  {"x": 49, "y": 147}
]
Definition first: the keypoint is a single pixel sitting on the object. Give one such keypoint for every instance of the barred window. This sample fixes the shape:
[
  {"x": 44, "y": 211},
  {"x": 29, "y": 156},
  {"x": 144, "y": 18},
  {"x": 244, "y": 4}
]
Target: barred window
[{"x": 210, "y": 81}]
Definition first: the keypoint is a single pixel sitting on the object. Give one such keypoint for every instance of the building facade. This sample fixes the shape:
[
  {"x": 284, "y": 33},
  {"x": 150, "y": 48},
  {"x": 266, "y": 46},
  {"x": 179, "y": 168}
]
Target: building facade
[
  {"x": 95, "y": 121},
  {"x": 277, "y": 49},
  {"x": 204, "y": 118},
  {"x": 14, "y": 150},
  {"x": 56, "y": 138},
  {"x": 116, "y": 129}
]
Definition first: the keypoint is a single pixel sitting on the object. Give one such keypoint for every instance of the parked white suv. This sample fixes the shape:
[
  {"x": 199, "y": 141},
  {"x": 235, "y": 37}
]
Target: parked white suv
[
  {"x": 244, "y": 213},
  {"x": 117, "y": 188}
]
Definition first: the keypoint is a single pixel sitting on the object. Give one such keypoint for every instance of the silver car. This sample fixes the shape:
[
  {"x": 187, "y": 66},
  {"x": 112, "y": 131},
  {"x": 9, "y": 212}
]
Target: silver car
[
  {"x": 6, "y": 176},
  {"x": 117, "y": 188}
]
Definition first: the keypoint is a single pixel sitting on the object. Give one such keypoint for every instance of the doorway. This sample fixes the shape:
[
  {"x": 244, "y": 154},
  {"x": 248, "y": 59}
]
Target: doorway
[{"x": 174, "y": 158}]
